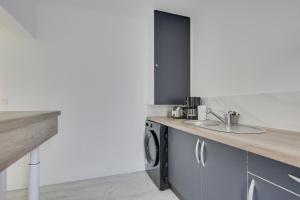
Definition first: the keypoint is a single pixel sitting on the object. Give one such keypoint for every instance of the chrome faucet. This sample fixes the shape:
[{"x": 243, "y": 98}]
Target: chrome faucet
[
  {"x": 228, "y": 118},
  {"x": 209, "y": 111}
]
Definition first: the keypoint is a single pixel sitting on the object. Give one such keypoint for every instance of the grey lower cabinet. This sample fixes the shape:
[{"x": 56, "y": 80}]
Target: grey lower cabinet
[
  {"x": 276, "y": 172},
  {"x": 263, "y": 190},
  {"x": 272, "y": 180},
  {"x": 225, "y": 172},
  {"x": 200, "y": 169},
  {"x": 184, "y": 170}
]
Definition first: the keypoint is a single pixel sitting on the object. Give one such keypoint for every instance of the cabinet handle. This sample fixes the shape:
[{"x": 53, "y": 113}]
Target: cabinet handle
[
  {"x": 251, "y": 190},
  {"x": 197, "y": 151},
  {"x": 202, "y": 154},
  {"x": 294, "y": 178}
]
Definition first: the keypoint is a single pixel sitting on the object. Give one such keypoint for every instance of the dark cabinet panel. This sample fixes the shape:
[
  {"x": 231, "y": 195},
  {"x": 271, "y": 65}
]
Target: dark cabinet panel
[
  {"x": 277, "y": 172},
  {"x": 220, "y": 172},
  {"x": 263, "y": 190},
  {"x": 172, "y": 58},
  {"x": 184, "y": 170},
  {"x": 225, "y": 172}
]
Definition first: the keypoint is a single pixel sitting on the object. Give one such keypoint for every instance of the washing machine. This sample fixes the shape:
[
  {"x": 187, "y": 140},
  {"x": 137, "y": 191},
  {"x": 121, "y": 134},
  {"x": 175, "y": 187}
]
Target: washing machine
[{"x": 156, "y": 153}]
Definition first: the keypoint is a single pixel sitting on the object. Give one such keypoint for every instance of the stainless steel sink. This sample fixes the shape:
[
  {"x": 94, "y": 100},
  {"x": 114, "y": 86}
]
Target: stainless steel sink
[
  {"x": 203, "y": 123},
  {"x": 221, "y": 127}
]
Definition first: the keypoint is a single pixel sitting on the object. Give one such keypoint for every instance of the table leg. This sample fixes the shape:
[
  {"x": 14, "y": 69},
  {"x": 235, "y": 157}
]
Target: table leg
[
  {"x": 34, "y": 175},
  {"x": 3, "y": 185}
]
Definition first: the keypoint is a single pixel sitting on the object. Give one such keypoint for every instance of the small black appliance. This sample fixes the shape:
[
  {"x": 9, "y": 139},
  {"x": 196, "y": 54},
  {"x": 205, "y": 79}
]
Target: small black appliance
[{"x": 191, "y": 104}]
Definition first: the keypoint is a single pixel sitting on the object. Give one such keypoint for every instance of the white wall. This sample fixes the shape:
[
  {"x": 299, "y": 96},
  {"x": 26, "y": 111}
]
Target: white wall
[
  {"x": 91, "y": 59},
  {"x": 2, "y": 51},
  {"x": 246, "y": 58},
  {"x": 246, "y": 47},
  {"x": 24, "y": 11}
]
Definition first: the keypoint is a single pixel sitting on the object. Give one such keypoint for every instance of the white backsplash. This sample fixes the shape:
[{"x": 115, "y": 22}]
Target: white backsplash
[
  {"x": 159, "y": 110},
  {"x": 276, "y": 110}
]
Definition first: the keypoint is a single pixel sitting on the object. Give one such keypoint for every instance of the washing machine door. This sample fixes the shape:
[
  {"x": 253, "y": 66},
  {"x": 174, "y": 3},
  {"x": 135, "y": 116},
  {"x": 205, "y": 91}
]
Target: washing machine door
[{"x": 151, "y": 146}]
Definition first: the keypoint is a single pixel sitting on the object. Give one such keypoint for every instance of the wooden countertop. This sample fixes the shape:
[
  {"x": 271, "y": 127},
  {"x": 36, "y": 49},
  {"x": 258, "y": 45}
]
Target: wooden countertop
[
  {"x": 280, "y": 145},
  {"x": 21, "y": 132}
]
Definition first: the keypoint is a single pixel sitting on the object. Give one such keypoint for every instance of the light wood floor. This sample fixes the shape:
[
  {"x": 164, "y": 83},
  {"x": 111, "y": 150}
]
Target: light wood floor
[{"x": 135, "y": 186}]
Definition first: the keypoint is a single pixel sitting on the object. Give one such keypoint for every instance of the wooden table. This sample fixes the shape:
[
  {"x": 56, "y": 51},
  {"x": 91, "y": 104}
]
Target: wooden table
[{"x": 22, "y": 133}]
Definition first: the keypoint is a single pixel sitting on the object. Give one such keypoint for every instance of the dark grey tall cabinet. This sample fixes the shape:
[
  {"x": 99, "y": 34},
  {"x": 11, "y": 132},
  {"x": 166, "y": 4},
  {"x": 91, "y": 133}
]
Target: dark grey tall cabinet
[{"x": 171, "y": 58}]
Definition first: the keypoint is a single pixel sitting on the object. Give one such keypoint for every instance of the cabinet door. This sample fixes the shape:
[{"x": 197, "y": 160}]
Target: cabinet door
[
  {"x": 172, "y": 58},
  {"x": 263, "y": 190},
  {"x": 225, "y": 172},
  {"x": 274, "y": 171},
  {"x": 184, "y": 170}
]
